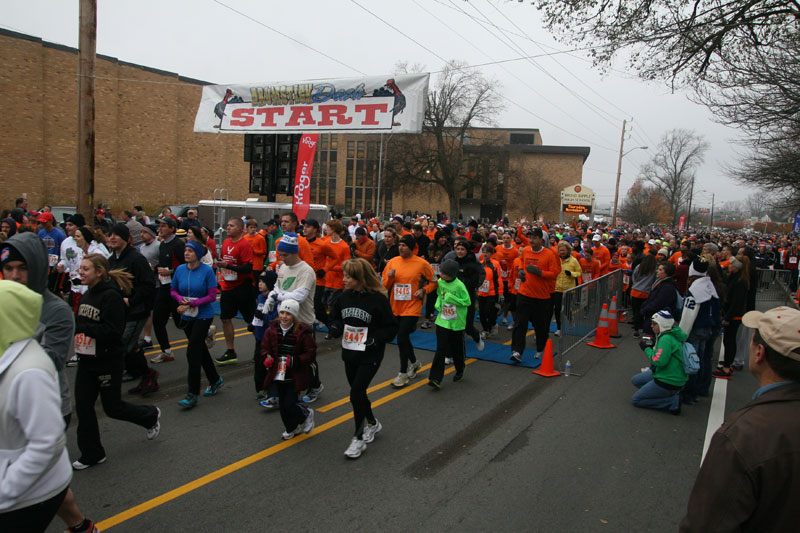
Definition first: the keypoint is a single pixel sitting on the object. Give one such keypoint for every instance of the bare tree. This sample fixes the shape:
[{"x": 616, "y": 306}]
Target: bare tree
[
  {"x": 673, "y": 167},
  {"x": 461, "y": 98},
  {"x": 756, "y": 205},
  {"x": 643, "y": 205}
]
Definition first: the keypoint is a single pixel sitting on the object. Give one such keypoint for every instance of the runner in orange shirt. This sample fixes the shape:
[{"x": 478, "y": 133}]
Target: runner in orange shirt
[
  {"x": 321, "y": 251},
  {"x": 408, "y": 278},
  {"x": 489, "y": 292},
  {"x": 601, "y": 253},
  {"x": 590, "y": 266},
  {"x": 333, "y": 276},
  {"x": 505, "y": 254},
  {"x": 259, "y": 245}
]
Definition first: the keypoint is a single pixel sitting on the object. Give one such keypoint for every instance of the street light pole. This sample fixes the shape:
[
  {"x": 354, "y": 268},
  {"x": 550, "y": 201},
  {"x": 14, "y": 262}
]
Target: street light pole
[
  {"x": 619, "y": 171},
  {"x": 711, "y": 225}
]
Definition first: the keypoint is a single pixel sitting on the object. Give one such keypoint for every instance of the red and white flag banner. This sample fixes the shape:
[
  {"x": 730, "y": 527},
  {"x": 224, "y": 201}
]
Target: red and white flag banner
[{"x": 301, "y": 200}]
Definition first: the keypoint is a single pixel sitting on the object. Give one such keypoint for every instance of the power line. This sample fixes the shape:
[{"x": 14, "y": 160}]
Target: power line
[{"x": 245, "y": 15}]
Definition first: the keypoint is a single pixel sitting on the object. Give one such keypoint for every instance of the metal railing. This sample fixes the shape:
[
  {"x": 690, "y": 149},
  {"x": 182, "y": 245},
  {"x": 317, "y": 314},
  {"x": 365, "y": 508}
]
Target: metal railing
[
  {"x": 775, "y": 286},
  {"x": 581, "y": 308}
]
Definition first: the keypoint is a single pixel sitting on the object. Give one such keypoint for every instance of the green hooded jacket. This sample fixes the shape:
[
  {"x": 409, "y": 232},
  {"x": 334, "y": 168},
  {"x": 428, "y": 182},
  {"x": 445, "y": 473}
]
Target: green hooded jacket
[
  {"x": 452, "y": 293},
  {"x": 20, "y": 308},
  {"x": 667, "y": 357}
]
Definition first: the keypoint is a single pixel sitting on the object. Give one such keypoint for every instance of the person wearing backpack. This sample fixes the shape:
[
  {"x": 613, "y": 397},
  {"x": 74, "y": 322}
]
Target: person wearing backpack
[
  {"x": 701, "y": 319},
  {"x": 660, "y": 385}
]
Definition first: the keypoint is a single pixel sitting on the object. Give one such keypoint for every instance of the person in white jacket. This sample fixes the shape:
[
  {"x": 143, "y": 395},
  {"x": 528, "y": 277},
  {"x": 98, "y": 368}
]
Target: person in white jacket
[{"x": 34, "y": 465}]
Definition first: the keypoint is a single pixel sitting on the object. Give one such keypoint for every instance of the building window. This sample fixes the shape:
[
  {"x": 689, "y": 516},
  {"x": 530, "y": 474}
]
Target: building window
[
  {"x": 332, "y": 170},
  {"x": 522, "y": 138},
  {"x": 351, "y": 148},
  {"x": 359, "y": 206},
  {"x": 360, "y": 153},
  {"x": 348, "y": 198}
]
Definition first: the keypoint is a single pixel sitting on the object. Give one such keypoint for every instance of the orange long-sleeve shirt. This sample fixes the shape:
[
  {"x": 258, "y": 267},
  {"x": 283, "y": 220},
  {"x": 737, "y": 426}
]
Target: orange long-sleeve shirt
[
  {"x": 505, "y": 257},
  {"x": 366, "y": 250},
  {"x": 590, "y": 269},
  {"x": 259, "y": 245},
  {"x": 334, "y": 275},
  {"x": 410, "y": 275},
  {"x": 602, "y": 254},
  {"x": 539, "y": 287},
  {"x": 322, "y": 252}
]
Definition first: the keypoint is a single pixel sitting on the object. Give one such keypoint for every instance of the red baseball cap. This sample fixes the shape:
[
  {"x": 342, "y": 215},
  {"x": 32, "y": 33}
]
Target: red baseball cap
[{"x": 46, "y": 216}]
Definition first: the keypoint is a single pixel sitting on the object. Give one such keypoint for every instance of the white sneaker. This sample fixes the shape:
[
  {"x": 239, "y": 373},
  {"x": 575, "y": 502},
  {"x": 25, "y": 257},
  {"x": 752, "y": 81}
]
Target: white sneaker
[
  {"x": 308, "y": 424},
  {"x": 557, "y": 333},
  {"x": 448, "y": 361},
  {"x": 413, "y": 368},
  {"x": 154, "y": 431},
  {"x": 370, "y": 430},
  {"x": 538, "y": 355},
  {"x": 77, "y": 465},
  {"x": 211, "y": 338},
  {"x": 510, "y": 326},
  {"x": 355, "y": 449},
  {"x": 292, "y": 434},
  {"x": 400, "y": 381},
  {"x": 481, "y": 345},
  {"x": 484, "y": 334},
  {"x": 516, "y": 357}
]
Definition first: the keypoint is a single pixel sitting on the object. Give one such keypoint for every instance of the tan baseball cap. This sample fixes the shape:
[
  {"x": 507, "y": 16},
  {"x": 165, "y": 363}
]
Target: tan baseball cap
[{"x": 779, "y": 327}]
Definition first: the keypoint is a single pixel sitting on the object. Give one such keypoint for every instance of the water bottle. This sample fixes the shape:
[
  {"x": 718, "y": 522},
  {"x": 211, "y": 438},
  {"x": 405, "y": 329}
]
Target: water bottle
[{"x": 567, "y": 368}]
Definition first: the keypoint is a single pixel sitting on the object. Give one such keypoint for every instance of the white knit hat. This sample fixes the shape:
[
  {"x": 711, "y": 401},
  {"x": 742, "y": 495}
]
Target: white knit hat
[
  {"x": 664, "y": 320},
  {"x": 291, "y": 307}
]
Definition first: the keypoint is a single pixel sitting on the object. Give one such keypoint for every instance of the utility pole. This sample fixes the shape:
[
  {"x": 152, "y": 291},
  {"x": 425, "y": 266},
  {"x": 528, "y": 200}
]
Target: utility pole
[
  {"x": 689, "y": 211},
  {"x": 619, "y": 173},
  {"x": 86, "y": 76},
  {"x": 711, "y": 225}
]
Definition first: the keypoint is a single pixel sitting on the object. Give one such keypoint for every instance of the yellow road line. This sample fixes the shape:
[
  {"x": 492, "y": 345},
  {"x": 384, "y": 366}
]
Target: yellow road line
[{"x": 119, "y": 518}]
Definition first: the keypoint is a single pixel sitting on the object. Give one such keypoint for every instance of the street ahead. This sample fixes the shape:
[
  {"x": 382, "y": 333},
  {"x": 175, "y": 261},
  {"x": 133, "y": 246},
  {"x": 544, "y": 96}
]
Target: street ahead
[{"x": 503, "y": 450}]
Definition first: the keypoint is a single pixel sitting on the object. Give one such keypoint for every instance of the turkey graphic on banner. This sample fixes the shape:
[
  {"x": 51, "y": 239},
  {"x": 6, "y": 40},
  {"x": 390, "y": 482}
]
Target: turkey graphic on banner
[{"x": 302, "y": 178}]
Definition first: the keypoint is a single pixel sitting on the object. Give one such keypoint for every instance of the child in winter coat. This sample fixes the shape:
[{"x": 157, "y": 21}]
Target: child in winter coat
[
  {"x": 261, "y": 320},
  {"x": 452, "y": 302},
  {"x": 289, "y": 350}
]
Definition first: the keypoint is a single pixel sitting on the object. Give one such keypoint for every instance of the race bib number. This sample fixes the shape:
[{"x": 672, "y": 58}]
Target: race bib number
[
  {"x": 586, "y": 277},
  {"x": 272, "y": 256},
  {"x": 354, "y": 338},
  {"x": 792, "y": 260},
  {"x": 484, "y": 286},
  {"x": 52, "y": 260},
  {"x": 229, "y": 275},
  {"x": 85, "y": 345},
  {"x": 435, "y": 267},
  {"x": 504, "y": 273},
  {"x": 517, "y": 283},
  {"x": 449, "y": 312},
  {"x": 402, "y": 291},
  {"x": 165, "y": 280}
]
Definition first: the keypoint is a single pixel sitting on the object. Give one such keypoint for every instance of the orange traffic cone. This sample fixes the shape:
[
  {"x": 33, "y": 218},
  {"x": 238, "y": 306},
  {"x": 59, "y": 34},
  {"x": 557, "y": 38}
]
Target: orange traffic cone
[
  {"x": 546, "y": 369},
  {"x": 601, "y": 338},
  {"x": 613, "y": 324},
  {"x": 621, "y": 314}
]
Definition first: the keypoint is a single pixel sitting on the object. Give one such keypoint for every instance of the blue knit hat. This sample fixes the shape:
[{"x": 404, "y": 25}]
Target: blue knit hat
[
  {"x": 199, "y": 249},
  {"x": 288, "y": 243}
]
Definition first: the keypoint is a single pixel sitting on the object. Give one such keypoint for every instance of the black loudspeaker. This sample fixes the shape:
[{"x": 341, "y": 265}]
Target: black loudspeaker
[{"x": 273, "y": 160}]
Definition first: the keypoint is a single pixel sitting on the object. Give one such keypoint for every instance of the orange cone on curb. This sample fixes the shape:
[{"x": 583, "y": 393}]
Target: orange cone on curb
[
  {"x": 621, "y": 315},
  {"x": 613, "y": 323},
  {"x": 601, "y": 338},
  {"x": 546, "y": 369}
]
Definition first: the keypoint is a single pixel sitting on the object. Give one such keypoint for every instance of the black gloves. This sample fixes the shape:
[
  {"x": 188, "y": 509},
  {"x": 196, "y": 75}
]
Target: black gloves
[
  {"x": 320, "y": 273},
  {"x": 536, "y": 271}
]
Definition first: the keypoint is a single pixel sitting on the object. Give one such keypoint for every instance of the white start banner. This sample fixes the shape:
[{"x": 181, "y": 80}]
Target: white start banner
[{"x": 375, "y": 104}]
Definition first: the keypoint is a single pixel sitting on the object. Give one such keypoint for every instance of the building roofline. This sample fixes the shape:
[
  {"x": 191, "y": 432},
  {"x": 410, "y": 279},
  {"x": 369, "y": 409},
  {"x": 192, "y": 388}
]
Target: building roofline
[
  {"x": 531, "y": 149},
  {"x": 71, "y": 50}
]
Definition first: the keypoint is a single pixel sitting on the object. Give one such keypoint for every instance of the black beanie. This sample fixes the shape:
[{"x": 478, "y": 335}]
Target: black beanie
[
  {"x": 409, "y": 241},
  {"x": 77, "y": 219},
  {"x": 9, "y": 253},
  {"x": 121, "y": 230}
]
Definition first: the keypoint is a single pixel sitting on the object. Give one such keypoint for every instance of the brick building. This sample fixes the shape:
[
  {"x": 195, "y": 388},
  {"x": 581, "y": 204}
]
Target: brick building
[{"x": 147, "y": 153}]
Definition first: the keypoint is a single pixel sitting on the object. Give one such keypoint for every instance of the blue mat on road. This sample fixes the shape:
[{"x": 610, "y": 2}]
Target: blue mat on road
[{"x": 493, "y": 351}]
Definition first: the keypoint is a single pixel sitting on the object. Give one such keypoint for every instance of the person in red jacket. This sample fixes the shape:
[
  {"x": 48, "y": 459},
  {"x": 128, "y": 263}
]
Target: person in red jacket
[
  {"x": 540, "y": 267},
  {"x": 590, "y": 267}
]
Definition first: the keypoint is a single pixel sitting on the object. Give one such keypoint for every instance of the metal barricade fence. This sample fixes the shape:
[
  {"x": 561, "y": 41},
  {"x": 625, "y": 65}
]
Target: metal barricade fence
[
  {"x": 774, "y": 286},
  {"x": 581, "y": 308}
]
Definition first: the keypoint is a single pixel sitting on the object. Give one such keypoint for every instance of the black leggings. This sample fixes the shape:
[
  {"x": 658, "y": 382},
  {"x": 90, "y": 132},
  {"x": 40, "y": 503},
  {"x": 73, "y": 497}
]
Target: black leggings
[
  {"x": 165, "y": 307},
  {"x": 197, "y": 354},
  {"x": 406, "y": 326},
  {"x": 89, "y": 383},
  {"x": 487, "y": 307},
  {"x": 359, "y": 376},
  {"x": 557, "y": 298},
  {"x": 448, "y": 343},
  {"x": 636, "y": 309},
  {"x": 430, "y": 303},
  {"x": 536, "y": 311},
  {"x": 34, "y": 518},
  {"x": 729, "y": 341},
  {"x": 470, "y": 328},
  {"x": 292, "y": 413}
]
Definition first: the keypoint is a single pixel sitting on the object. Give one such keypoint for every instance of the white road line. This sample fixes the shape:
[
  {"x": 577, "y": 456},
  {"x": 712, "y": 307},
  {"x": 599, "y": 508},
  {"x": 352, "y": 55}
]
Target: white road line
[{"x": 716, "y": 415}]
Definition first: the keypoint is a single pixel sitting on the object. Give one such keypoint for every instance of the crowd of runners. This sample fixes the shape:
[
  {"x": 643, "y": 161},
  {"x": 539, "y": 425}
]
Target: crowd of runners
[{"x": 106, "y": 288}]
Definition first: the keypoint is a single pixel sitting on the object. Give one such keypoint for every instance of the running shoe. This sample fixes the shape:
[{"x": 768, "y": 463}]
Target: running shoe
[
  {"x": 189, "y": 401},
  {"x": 400, "y": 381},
  {"x": 426, "y": 324},
  {"x": 229, "y": 357},
  {"x": 261, "y": 395},
  {"x": 211, "y": 338},
  {"x": 481, "y": 345},
  {"x": 413, "y": 368},
  {"x": 293, "y": 433},
  {"x": 493, "y": 331},
  {"x": 516, "y": 357},
  {"x": 355, "y": 449},
  {"x": 484, "y": 334},
  {"x": 128, "y": 377},
  {"x": 79, "y": 465},
  {"x": 156, "y": 429},
  {"x": 145, "y": 343},
  {"x": 434, "y": 384},
  {"x": 557, "y": 333},
  {"x": 211, "y": 390},
  {"x": 738, "y": 367},
  {"x": 719, "y": 373},
  {"x": 147, "y": 385},
  {"x": 458, "y": 376},
  {"x": 311, "y": 395},
  {"x": 510, "y": 325},
  {"x": 163, "y": 357},
  {"x": 73, "y": 361},
  {"x": 89, "y": 527},
  {"x": 370, "y": 430},
  {"x": 270, "y": 403},
  {"x": 308, "y": 424},
  {"x": 448, "y": 361}
]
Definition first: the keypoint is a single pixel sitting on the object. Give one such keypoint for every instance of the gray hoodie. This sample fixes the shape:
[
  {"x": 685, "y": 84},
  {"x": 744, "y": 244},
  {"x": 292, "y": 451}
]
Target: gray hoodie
[{"x": 56, "y": 331}]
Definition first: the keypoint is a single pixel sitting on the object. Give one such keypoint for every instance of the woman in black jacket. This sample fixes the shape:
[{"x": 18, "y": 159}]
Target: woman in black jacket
[
  {"x": 386, "y": 249},
  {"x": 663, "y": 295},
  {"x": 99, "y": 324},
  {"x": 732, "y": 311},
  {"x": 364, "y": 318},
  {"x": 471, "y": 273}
]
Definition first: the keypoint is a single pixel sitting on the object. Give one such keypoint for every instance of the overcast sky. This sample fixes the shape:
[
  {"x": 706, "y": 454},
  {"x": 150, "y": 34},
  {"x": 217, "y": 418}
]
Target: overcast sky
[{"x": 568, "y": 100}]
